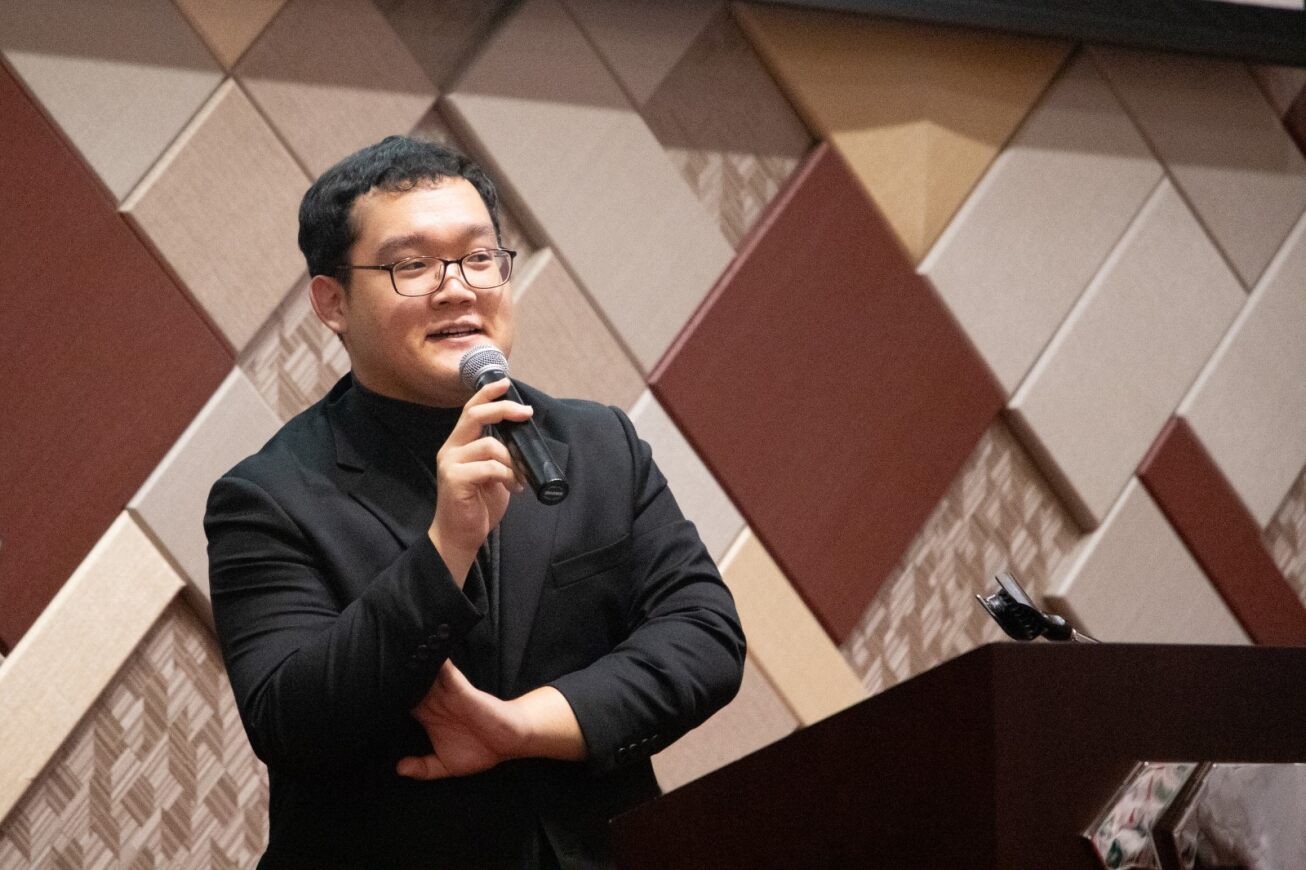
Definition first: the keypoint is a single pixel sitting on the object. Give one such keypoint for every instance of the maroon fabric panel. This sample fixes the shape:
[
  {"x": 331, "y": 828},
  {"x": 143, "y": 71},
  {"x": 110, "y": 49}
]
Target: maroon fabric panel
[
  {"x": 103, "y": 362},
  {"x": 1222, "y": 536},
  {"x": 829, "y": 390}
]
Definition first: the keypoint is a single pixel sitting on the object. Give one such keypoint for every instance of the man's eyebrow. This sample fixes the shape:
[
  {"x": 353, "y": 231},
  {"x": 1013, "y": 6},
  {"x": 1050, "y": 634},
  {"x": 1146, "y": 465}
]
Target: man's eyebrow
[{"x": 414, "y": 241}]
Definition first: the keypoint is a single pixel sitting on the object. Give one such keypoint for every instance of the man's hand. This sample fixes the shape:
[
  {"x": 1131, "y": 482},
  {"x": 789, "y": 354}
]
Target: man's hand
[
  {"x": 471, "y": 730},
  {"x": 474, "y": 478}
]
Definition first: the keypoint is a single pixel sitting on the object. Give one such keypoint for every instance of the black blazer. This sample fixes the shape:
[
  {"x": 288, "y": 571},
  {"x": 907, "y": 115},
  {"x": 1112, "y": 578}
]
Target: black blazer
[{"x": 334, "y": 613}]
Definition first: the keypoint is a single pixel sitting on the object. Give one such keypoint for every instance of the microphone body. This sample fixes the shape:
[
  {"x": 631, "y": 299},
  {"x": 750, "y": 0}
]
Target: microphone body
[{"x": 485, "y": 365}]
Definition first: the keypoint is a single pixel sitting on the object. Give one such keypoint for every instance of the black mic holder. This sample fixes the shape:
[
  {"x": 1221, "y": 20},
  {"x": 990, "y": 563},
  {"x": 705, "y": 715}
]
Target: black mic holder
[{"x": 1013, "y": 610}]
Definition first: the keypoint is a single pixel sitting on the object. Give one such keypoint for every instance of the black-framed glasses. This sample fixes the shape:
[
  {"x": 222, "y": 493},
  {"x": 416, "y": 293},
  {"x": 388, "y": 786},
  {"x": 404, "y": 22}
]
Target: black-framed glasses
[{"x": 483, "y": 269}]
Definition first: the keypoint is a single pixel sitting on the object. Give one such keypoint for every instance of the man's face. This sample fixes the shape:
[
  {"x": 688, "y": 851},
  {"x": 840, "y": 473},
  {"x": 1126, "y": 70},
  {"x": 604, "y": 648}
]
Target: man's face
[{"x": 409, "y": 347}]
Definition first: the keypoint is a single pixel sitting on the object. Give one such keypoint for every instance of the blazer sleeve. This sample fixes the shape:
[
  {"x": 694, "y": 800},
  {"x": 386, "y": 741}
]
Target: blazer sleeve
[
  {"x": 682, "y": 658},
  {"x": 322, "y": 683}
]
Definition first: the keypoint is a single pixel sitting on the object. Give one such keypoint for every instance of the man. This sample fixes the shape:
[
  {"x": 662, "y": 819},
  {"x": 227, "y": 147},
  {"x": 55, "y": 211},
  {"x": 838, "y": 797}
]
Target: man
[{"x": 439, "y": 670}]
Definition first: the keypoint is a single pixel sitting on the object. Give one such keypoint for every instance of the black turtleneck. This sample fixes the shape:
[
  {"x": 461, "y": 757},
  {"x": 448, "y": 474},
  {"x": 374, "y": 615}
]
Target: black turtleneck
[{"x": 421, "y": 430}]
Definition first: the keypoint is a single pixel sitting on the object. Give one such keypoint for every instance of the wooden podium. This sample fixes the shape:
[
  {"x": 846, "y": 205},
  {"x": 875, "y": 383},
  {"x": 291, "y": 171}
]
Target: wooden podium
[{"x": 999, "y": 758}]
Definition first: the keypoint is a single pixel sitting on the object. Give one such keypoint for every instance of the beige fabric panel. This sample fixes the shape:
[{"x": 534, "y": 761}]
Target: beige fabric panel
[
  {"x": 442, "y": 35},
  {"x": 1222, "y": 142},
  {"x": 1249, "y": 407},
  {"x": 784, "y": 638},
  {"x": 1134, "y": 581},
  {"x": 697, "y": 492},
  {"x": 331, "y": 76},
  {"x": 757, "y": 717},
  {"x": 727, "y": 127},
  {"x": 158, "y": 773},
  {"x": 170, "y": 505},
  {"x": 1281, "y": 85},
  {"x": 120, "y": 77},
  {"x": 918, "y": 111},
  {"x": 72, "y": 651},
  {"x": 221, "y": 209},
  {"x": 561, "y": 344},
  {"x": 229, "y": 27},
  {"x": 999, "y": 514},
  {"x": 558, "y": 132},
  {"x": 1285, "y": 537},
  {"x": 1042, "y": 220},
  {"x": 639, "y": 41},
  {"x": 1119, "y": 365}
]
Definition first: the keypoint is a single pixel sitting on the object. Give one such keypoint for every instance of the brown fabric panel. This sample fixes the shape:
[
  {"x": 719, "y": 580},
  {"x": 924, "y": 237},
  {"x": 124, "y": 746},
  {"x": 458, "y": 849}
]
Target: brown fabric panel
[
  {"x": 826, "y": 386},
  {"x": 103, "y": 362},
  {"x": 1295, "y": 121},
  {"x": 1222, "y": 536}
]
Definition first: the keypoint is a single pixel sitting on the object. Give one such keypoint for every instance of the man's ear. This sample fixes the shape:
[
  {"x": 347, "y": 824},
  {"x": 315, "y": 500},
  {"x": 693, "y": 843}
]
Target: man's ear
[{"x": 330, "y": 303}]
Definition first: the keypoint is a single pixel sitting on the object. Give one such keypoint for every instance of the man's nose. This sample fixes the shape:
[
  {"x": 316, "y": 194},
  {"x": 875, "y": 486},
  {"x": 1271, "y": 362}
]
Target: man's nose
[{"x": 454, "y": 288}]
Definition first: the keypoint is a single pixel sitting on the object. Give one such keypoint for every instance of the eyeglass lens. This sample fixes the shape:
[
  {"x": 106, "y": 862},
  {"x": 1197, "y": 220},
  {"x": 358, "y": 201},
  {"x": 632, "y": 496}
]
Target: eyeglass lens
[{"x": 418, "y": 276}]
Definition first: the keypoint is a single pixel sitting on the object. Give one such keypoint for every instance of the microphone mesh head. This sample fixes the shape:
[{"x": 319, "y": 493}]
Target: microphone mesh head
[{"x": 478, "y": 361}]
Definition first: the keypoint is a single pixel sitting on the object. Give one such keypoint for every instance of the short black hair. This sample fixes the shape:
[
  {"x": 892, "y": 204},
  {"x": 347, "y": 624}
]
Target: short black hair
[{"x": 396, "y": 163}]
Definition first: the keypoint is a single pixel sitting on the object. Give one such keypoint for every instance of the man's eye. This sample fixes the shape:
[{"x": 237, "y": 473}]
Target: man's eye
[
  {"x": 478, "y": 258},
  {"x": 412, "y": 265}
]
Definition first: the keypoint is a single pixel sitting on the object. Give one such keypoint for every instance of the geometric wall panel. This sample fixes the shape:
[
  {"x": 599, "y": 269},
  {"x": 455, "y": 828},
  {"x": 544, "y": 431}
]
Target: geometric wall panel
[
  {"x": 560, "y": 344},
  {"x": 1134, "y": 581},
  {"x": 726, "y": 126},
  {"x": 103, "y": 362},
  {"x": 841, "y": 412},
  {"x": 331, "y": 76},
  {"x": 294, "y": 359},
  {"x": 918, "y": 111},
  {"x": 1281, "y": 84},
  {"x": 221, "y": 208},
  {"x": 229, "y": 27},
  {"x": 119, "y": 77},
  {"x": 1295, "y": 121},
  {"x": 641, "y": 42},
  {"x": 1223, "y": 538},
  {"x": 441, "y": 35},
  {"x": 1126, "y": 354},
  {"x": 1285, "y": 537},
  {"x": 1249, "y": 406},
  {"x": 784, "y": 638},
  {"x": 170, "y": 505},
  {"x": 1246, "y": 182},
  {"x": 700, "y": 497},
  {"x": 755, "y": 718},
  {"x": 999, "y": 514},
  {"x": 557, "y": 132},
  {"x": 158, "y": 773},
  {"x": 1041, "y": 221},
  {"x": 75, "y": 647}
]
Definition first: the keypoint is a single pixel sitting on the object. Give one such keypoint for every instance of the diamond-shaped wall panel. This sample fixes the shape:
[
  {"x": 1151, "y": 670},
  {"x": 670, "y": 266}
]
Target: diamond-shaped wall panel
[
  {"x": 119, "y": 77},
  {"x": 231, "y": 26},
  {"x": 1285, "y": 537},
  {"x": 835, "y": 415},
  {"x": 727, "y": 127},
  {"x": 919, "y": 111},
  {"x": 1249, "y": 407},
  {"x": 75, "y": 647},
  {"x": 1134, "y": 581},
  {"x": 784, "y": 638},
  {"x": 103, "y": 362},
  {"x": 331, "y": 76},
  {"x": 1041, "y": 221},
  {"x": 221, "y": 208},
  {"x": 158, "y": 773},
  {"x": 442, "y": 34},
  {"x": 641, "y": 42},
  {"x": 561, "y": 345},
  {"x": 999, "y": 514},
  {"x": 1281, "y": 84},
  {"x": 235, "y": 423},
  {"x": 1222, "y": 536},
  {"x": 561, "y": 136},
  {"x": 699, "y": 495},
  {"x": 755, "y": 718},
  {"x": 1223, "y": 144},
  {"x": 1125, "y": 356}
]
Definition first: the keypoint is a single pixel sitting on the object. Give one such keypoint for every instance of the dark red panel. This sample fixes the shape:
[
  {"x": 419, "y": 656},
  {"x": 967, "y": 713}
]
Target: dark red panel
[
  {"x": 103, "y": 362},
  {"x": 828, "y": 388},
  {"x": 1222, "y": 536}
]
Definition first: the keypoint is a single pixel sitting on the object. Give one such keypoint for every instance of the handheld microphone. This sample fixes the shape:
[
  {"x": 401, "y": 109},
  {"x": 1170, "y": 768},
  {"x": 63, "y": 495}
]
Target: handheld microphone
[{"x": 486, "y": 364}]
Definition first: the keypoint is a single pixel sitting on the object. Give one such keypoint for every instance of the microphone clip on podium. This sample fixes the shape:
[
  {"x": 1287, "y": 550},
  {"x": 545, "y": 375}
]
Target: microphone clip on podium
[{"x": 1012, "y": 609}]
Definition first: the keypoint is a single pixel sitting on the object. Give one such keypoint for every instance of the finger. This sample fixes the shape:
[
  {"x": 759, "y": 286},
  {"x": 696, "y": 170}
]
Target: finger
[
  {"x": 423, "y": 767},
  {"x": 486, "y": 447},
  {"x": 482, "y": 473}
]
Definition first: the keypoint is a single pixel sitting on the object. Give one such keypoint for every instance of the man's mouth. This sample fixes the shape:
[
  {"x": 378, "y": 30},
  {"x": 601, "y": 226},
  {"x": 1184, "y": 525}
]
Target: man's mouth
[{"x": 454, "y": 332}]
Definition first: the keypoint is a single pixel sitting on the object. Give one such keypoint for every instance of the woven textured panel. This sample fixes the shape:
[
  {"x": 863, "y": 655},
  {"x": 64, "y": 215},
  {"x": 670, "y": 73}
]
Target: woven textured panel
[
  {"x": 727, "y": 127},
  {"x": 441, "y": 34},
  {"x": 999, "y": 514},
  {"x": 1285, "y": 537},
  {"x": 159, "y": 773}
]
